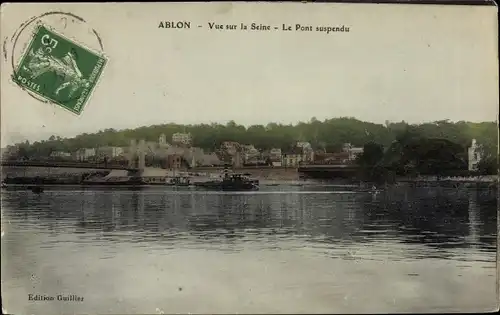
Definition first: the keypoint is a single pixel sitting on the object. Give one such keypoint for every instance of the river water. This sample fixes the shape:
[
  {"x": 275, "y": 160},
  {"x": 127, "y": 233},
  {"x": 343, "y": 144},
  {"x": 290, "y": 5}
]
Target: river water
[{"x": 306, "y": 249}]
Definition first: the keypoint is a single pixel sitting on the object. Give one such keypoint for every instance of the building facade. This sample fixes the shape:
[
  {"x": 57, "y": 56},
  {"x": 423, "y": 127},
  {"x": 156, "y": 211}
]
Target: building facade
[
  {"x": 353, "y": 151},
  {"x": 250, "y": 152},
  {"x": 162, "y": 141},
  {"x": 174, "y": 161},
  {"x": 110, "y": 152},
  {"x": 292, "y": 160},
  {"x": 84, "y": 154},
  {"x": 306, "y": 151},
  {"x": 230, "y": 147},
  {"x": 182, "y": 138},
  {"x": 275, "y": 155},
  {"x": 474, "y": 154},
  {"x": 60, "y": 154}
]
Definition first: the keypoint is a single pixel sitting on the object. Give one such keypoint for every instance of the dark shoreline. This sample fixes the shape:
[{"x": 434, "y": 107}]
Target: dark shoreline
[{"x": 29, "y": 183}]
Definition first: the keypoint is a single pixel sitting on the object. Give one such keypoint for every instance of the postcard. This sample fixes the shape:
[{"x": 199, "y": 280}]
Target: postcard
[{"x": 258, "y": 157}]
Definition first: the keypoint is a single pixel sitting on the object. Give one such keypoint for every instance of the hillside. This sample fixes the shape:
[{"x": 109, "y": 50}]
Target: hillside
[{"x": 329, "y": 134}]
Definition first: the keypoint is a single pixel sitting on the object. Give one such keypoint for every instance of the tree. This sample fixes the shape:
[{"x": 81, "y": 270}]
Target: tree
[
  {"x": 370, "y": 161},
  {"x": 419, "y": 155},
  {"x": 328, "y": 135},
  {"x": 372, "y": 155},
  {"x": 488, "y": 165}
]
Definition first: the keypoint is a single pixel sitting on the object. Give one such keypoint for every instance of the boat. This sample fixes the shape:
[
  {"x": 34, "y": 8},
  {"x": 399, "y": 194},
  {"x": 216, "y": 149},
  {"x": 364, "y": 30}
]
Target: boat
[
  {"x": 179, "y": 181},
  {"x": 129, "y": 181},
  {"x": 230, "y": 182}
]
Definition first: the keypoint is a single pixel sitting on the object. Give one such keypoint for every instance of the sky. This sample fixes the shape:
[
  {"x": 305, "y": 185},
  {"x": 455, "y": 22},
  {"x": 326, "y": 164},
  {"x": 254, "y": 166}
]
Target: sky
[{"x": 397, "y": 62}]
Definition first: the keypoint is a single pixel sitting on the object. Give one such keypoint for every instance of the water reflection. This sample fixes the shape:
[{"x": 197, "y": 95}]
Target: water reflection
[
  {"x": 282, "y": 250},
  {"x": 438, "y": 219}
]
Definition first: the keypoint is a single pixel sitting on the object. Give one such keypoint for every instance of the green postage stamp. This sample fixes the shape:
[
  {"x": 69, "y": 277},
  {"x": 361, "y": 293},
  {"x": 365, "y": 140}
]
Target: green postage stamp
[{"x": 59, "y": 70}]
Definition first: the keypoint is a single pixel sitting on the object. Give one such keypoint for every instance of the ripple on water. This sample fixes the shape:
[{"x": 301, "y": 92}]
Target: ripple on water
[{"x": 306, "y": 246}]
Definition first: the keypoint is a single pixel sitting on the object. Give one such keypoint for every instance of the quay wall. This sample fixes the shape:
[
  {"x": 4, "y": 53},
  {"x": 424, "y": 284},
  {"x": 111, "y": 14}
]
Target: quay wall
[
  {"x": 261, "y": 172},
  {"x": 17, "y": 171},
  {"x": 266, "y": 173},
  {"x": 269, "y": 173}
]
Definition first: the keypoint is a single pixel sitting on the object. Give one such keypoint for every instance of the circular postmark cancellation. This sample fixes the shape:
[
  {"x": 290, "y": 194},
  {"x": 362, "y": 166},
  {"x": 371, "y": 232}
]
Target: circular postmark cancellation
[{"x": 57, "y": 58}]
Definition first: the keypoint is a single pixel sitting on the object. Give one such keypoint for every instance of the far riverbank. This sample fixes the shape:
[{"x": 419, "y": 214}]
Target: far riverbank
[{"x": 265, "y": 174}]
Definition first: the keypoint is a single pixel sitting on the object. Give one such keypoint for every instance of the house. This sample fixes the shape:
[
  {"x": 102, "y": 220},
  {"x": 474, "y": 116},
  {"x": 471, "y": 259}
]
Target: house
[
  {"x": 275, "y": 155},
  {"x": 474, "y": 154},
  {"x": 175, "y": 161},
  {"x": 337, "y": 158},
  {"x": 183, "y": 139},
  {"x": 354, "y": 152},
  {"x": 164, "y": 156},
  {"x": 250, "y": 152},
  {"x": 261, "y": 159},
  {"x": 162, "y": 141},
  {"x": 109, "y": 152},
  {"x": 293, "y": 157},
  {"x": 230, "y": 147},
  {"x": 60, "y": 154},
  {"x": 307, "y": 151},
  {"x": 197, "y": 157},
  {"x": 303, "y": 145},
  {"x": 333, "y": 158},
  {"x": 150, "y": 147},
  {"x": 320, "y": 157},
  {"x": 84, "y": 154},
  {"x": 191, "y": 157},
  {"x": 292, "y": 160}
]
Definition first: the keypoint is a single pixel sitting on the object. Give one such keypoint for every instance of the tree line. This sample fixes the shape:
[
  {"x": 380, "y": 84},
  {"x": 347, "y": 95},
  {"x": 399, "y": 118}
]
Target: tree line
[
  {"x": 412, "y": 154},
  {"x": 328, "y": 135}
]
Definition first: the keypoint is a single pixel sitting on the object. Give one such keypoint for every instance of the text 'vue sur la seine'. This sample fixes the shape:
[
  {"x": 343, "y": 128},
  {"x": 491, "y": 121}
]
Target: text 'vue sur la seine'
[{"x": 256, "y": 27}]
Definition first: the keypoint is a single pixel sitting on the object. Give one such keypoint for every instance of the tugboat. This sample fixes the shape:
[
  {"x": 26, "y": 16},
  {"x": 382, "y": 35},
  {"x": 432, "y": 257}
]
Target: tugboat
[
  {"x": 179, "y": 181},
  {"x": 231, "y": 182},
  {"x": 125, "y": 181}
]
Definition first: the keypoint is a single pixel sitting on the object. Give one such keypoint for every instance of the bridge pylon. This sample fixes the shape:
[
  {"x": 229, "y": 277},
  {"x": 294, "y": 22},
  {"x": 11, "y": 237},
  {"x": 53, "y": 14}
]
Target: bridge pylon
[{"x": 137, "y": 157}]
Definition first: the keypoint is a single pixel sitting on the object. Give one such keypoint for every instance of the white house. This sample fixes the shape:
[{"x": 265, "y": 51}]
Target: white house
[
  {"x": 110, "y": 152},
  {"x": 307, "y": 151},
  {"x": 60, "y": 154},
  {"x": 250, "y": 152},
  {"x": 181, "y": 138},
  {"x": 84, "y": 154},
  {"x": 162, "y": 141},
  {"x": 230, "y": 147},
  {"x": 292, "y": 160},
  {"x": 275, "y": 152},
  {"x": 354, "y": 152},
  {"x": 293, "y": 157},
  {"x": 474, "y": 155},
  {"x": 303, "y": 145}
]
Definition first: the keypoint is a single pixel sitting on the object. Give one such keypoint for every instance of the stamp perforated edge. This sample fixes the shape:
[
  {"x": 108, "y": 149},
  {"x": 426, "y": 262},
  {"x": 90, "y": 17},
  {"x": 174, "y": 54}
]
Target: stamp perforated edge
[{"x": 46, "y": 99}]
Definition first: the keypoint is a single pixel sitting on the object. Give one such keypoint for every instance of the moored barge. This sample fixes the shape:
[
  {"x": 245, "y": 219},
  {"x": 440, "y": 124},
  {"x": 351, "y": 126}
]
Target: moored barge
[{"x": 230, "y": 182}]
